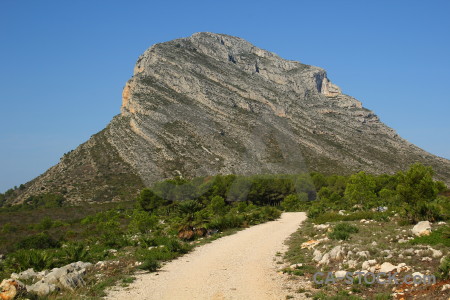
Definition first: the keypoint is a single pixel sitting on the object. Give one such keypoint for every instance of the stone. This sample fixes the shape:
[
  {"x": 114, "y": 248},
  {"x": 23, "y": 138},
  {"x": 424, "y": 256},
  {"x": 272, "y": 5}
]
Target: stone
[
  {"x": 426, "y": 259},
  {"x": 445, "y": 287},
  {"x": 422, "y": 228},
  {"x": 321, "y": 226},
  {"x": 340, "y": 274},
  {"x": 309, "y": 244},
  {"x": 436, "y": 253},
  {"x": 352, "y": 264},
  {"x": 11, "y": 288},
  {"x": 295, "y": 266},
  {"x": 368, "y": 263},
  {"x": 363, "y": 254},
  {"x": 317, "y": 255},
  {"x": 337, "y": 253},
  {"x": 25, "y": 275},
  {"x": 387, "y": 267},
  {"x": 42, "y": 288},
  {"x": 325, "y": 260}
]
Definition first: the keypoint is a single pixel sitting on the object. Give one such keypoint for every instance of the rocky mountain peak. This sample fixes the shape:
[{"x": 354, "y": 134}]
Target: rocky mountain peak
[{"x": 213, "y": 103}]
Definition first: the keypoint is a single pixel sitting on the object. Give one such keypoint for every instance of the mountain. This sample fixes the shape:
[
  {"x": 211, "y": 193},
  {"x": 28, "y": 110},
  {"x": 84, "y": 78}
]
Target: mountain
[{"x": 213, "y": 103}]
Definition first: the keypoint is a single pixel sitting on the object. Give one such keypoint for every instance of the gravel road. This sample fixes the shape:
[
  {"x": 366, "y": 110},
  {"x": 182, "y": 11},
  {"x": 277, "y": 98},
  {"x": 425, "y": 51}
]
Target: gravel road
[{"x": 239, "y": 266}]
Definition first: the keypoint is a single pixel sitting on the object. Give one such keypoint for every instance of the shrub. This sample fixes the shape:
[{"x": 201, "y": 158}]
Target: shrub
[
  {"x": 294, "y": 202},
  {"x": 342, "y": 231},
  {"x": 444, "y": 268},
  {"x": 218, "y": 205},
  {"x": 22, "y": 260},
  {"x": 38, "y": 241},
  {"x": 149, "y": 201},
  {"x": 142, "y": 221}
]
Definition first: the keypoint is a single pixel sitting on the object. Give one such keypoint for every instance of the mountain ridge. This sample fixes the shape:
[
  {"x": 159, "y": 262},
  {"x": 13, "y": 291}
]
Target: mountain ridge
[{"x": 213, "y": 103}]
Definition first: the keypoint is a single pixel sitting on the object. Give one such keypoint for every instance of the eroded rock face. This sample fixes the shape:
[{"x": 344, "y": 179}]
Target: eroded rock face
[{"x": 213, "y": 103}]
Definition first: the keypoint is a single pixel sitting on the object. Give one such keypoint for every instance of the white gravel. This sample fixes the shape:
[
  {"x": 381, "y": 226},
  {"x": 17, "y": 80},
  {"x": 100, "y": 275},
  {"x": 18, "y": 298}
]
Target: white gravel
[{"x": 239, "y": 266}]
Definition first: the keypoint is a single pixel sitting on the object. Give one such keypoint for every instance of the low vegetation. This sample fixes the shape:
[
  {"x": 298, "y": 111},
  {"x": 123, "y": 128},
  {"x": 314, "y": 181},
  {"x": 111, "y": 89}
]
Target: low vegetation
[{"x": 173, "y": 216}]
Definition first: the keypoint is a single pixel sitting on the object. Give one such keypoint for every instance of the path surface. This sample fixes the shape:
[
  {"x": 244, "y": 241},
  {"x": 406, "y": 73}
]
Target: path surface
[{"x": 239, "y": 266}]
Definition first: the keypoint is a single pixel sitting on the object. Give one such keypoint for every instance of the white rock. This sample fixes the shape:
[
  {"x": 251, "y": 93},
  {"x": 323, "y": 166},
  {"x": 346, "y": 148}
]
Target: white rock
[
  {"x": 325, "y": 260},
  {"x": 436, "y": 253},
  {"x": 340, "y": 274},
  {"x": 42, "y": 288},
  {"x": 426, "y": 259},
  {"x": 364, "y": 254},
  {"x": 352, "y": 264},
  {"x": 322, "y": 226},
  {"x": 317, "y": 255},
  {"x": 387, "y": 267},
  {"x": 368, "y": 263},
  {"x": 337, "y": 253},
  {"x": 445, "y": 287},
  {"x": 374, "y": 244},
  {"x": 421, "y": 228}
]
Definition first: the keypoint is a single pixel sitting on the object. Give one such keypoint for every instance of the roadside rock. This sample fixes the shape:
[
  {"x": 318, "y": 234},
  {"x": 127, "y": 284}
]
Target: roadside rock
[
  {"x": 368, "y": 263},
  {"x": 421, "y": 228},
  {"x": 363, "y": 254},
  {"x": 337, "y": 253},
  {"x": 25, "y": 275},
  {"x": 11, "y": 288},
  {"x": 317, "y": 255},
  {"x": 387, "y": 267},
  {"x": 42, "y": 288},
  {"x": 436, "y": 253},
  {"x": 325, "y": 260}
]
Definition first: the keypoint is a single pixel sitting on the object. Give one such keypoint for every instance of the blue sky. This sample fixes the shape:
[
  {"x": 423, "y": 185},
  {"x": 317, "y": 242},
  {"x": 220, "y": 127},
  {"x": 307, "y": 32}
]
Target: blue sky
[{"x": 63, "y": 64}]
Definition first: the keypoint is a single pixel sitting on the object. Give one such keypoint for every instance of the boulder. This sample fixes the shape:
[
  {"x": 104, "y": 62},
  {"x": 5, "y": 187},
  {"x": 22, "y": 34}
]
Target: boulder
[
  {"x": 337, "y": 253},
  {"x": 325, "y": 260},
  {"x": 387, "y": 267},
  {"x": 310, "y": 244},
  {"x": 317, "y": 255},
  {"x": 436, "y": 253},
  {"x": 11, "y": 288},
  {"x": 352, "y": 264},
  {"x": 25, "y": 275},
  {"x": 340, "y": 274},
  {"x": 368, "y": 263},
  {"x": 42, "y": 288},
  {"x": 422, "y": 228},
  {"x": 72, "y": 280},
  {"x": 363, "y": 254}
]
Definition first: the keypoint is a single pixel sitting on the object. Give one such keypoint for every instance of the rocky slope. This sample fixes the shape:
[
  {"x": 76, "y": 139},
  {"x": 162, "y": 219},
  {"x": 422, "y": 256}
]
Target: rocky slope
[{"x": 213, "y": 103}]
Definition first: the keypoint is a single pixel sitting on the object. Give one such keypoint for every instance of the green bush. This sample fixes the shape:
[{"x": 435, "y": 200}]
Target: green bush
[
  {"x": 22, "y": 260},
  {"x": 142, "y": 221},
  {"x": 444, "y": 269},
  {"x": 38, "y": 241},
  {"x": 295, "y": 202},
  {"x": 342, "y": 231},
  {"x": 218, "y": 205}
]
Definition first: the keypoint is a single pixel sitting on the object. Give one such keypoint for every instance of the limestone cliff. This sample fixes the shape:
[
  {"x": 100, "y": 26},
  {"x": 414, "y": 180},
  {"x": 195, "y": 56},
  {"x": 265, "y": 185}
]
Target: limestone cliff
[{"x": 213, "y": 103}]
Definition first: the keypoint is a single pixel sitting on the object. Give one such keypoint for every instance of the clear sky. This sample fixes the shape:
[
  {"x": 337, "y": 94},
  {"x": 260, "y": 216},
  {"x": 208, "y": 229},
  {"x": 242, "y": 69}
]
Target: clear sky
[{"x": 63, "y": 64}]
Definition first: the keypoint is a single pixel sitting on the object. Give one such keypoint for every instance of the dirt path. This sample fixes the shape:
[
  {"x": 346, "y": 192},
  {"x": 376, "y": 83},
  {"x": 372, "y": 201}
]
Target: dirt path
[{"x": 239, "y": 266}]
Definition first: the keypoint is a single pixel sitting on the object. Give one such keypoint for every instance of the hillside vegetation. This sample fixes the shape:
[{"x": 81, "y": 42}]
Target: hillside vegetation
[{"x": 174, "y": 215}]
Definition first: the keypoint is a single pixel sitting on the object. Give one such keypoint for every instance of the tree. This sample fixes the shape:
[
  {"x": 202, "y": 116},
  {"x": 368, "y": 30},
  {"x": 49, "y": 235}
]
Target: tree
[
  {"x": 361, "y": 189},
  {"x": 417, "y": 185},
  {"x": 149, "y": 201},
  {"x": 218, "y": 205},
  {"x": 294, "y": 202}
]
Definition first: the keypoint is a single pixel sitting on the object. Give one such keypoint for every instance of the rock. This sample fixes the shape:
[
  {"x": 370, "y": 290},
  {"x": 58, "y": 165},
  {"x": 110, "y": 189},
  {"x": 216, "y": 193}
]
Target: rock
[
  {"x": 317, "y": 255},
  {"x": 402, "y": 241},
  {"x": 363, "y": 254},
  {"x": 368, "y": 263},
  {"x": 421, "y": 228},
  {"x": 441, "y": 223},
  {"x": 295, "y": 266},
  {"x": 374, "y": 244},
  {"x": 352, "y": 264},
  {"x": 11, "y": 288},
  {"x": 25, "y": 275},
  {"x": 337, "y": 253},
  {"x": 387, "y": 267},
  {"x": 445, "y": 287},
  {"x": 402, "y": 267},
  {"x": 325, "y": 260},
  {"x": 321, "y": 226},
  {"x": 340, "y": 274},
  {"x": 310, "y": 244},
  {"x": 342, "y": 212},
  {"x": 426, "y": 259},
  {"x": 42, "y": 288},
  {"x": 72, "y": 280},
  {"x": 436, "y": 253}
]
